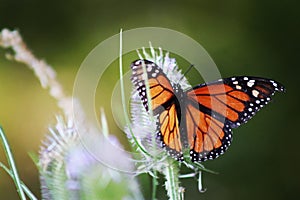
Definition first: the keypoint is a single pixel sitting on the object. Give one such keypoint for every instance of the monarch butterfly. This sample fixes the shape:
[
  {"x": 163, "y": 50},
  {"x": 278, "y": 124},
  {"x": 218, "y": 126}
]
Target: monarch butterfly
[{"x": 201, "y": 118}]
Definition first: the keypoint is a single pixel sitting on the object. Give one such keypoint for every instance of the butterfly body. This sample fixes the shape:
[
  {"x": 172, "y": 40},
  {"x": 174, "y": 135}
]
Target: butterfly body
[{"x": 200, "y": 119}]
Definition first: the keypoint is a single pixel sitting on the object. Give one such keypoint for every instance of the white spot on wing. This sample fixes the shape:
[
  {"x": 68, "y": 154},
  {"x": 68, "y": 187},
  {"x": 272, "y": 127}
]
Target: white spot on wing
[
  {"x": 250, "y": 84},
  {"x": 255, "y": 93},
  {"x": 149, "y": 68},
  {"x": 238, "y": 87}
]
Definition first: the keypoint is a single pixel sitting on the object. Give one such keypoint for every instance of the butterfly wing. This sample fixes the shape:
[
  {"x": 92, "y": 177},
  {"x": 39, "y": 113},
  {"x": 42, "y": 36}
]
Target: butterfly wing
[
  {"x": 163, "y": 103},
  {"x": 214, "y": 108}
]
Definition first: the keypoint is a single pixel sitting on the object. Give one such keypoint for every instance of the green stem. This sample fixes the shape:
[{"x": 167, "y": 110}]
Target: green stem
[
  {"x": 12, "y": 165},
  {"x": 154, "y": 184},
  {"x": 25, "y": 188},
  {"x": 123, "y": 98},
  {"x": 172, "y": 181}
]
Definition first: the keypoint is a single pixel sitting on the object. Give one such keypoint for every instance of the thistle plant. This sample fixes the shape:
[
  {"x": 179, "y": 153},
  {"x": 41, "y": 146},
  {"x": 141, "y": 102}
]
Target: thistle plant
[
  {"x": 79, "y": 161},
  {"x": 153, "y": 159},
  {"x": 142, "y": 132},
  {"x": 71, "y": 166},
  {"x": 80, "y": 168}
]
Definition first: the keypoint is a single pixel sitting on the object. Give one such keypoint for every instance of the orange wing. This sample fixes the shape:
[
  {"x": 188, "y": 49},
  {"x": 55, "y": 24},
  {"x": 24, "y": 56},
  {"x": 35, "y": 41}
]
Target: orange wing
[
  {"x": 169, "y": 133},
  {"x": 163, "y": 103},
  {"x": 161, "y": 90},
  {"x": 201, "y": 118},
  {"x": 207, "y": 137},
  {"x": 213, "y": 109}
]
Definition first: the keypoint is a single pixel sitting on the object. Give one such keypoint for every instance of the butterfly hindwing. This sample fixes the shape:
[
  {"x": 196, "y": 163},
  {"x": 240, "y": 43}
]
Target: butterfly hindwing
[
  {"x": 207, "y": 137},
  {"x": 169, "y": 133}
]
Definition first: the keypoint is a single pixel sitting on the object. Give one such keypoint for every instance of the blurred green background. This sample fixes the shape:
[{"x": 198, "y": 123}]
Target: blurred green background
[{"x": 249, "y": 37}]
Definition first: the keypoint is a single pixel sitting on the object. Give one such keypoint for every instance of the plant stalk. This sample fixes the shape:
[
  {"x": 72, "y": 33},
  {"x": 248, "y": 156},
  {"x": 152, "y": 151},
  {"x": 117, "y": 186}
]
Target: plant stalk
[{"x": 12, "y": 165}]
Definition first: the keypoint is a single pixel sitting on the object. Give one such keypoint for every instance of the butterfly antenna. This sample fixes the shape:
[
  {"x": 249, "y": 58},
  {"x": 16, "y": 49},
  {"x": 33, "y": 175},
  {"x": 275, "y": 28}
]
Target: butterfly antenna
[{"x": 190, "y": 67}]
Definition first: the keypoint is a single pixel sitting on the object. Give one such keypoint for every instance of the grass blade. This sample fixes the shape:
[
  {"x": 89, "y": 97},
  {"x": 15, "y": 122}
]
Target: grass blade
[{"x": 12, "y": 165}]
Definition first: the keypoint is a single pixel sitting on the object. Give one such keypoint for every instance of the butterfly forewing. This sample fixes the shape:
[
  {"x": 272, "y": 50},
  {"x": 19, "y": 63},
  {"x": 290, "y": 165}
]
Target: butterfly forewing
[
  {"x": 160, "y": 87},
  {"x": 162, "y": 102},
  {"x": 236, "y": 98}
]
